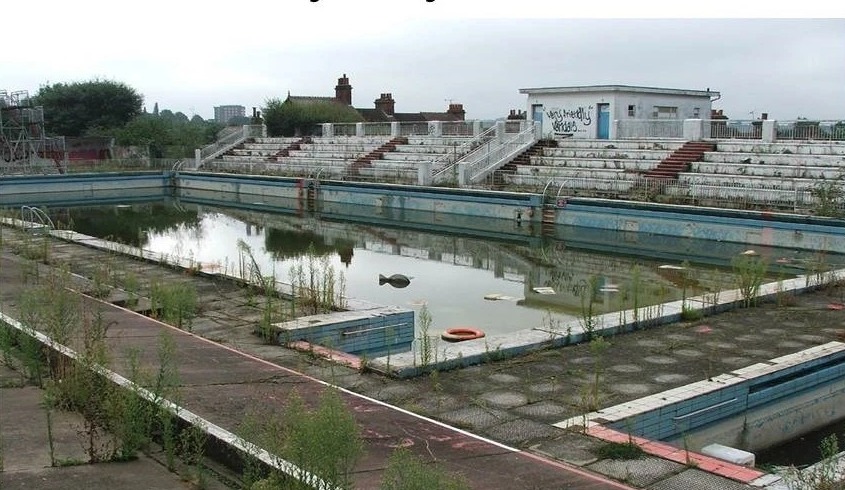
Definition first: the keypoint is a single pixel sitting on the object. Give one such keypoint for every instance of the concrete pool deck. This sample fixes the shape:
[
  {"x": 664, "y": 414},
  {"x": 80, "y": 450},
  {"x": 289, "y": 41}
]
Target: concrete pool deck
[
  {"x": 219, "y": 384},
  {"x": 515, "y": 401}
]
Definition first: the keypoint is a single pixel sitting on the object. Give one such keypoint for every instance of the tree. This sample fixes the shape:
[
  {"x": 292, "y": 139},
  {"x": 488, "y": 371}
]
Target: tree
[
  {"x": 168, "y": 135},
  {"x": 296, "y": 118},
  {"x": 74, "y": 109}
]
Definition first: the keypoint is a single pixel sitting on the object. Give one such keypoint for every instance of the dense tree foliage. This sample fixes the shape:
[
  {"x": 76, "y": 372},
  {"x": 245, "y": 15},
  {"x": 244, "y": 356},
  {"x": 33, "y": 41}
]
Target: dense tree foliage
[
  {"x": 80, "y": 108},
  {"x": 293, "y": 119},
  {"x": 167, "y": 135}
]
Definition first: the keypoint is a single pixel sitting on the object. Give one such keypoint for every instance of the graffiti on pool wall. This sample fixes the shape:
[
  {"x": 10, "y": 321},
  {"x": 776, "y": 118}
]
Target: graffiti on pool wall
[{"x": 566, "y": 122}]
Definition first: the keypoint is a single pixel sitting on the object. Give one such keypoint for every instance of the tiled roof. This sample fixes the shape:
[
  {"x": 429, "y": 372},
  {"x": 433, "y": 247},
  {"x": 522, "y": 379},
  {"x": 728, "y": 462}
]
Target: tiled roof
[{"x": 308, "y": 99}]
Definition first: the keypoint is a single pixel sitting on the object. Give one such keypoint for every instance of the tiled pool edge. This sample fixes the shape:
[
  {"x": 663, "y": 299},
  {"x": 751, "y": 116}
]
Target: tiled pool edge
[
  {"x": 449, "y": 356},
  {"x": 597, "y": 424}
]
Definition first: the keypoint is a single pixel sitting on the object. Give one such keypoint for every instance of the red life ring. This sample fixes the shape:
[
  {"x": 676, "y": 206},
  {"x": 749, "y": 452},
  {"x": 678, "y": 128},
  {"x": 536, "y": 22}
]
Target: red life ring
[{"x": 460, "y": 334}]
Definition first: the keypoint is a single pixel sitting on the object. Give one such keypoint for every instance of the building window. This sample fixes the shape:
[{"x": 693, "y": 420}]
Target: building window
[
  {"x": 664, "y": 112},
  {"x": 632, "y": 111},
  {"x": 696, "y": 112}
]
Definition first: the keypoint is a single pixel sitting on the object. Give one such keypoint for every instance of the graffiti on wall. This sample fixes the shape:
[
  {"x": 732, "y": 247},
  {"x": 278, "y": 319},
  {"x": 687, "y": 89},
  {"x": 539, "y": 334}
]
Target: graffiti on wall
[{"x": 566, "y": 122}]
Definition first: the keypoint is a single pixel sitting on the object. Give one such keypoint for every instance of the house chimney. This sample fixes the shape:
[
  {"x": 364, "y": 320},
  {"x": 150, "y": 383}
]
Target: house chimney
[
  {"x": 386, "y": 104},
  {"x": 457, "y": 110},
  {"x": 343, "y": 91},
  {"x": 764, "y": 116}
]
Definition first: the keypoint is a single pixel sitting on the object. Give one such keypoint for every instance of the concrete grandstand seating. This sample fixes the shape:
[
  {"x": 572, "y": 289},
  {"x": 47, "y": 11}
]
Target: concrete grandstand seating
[
  {"x": 802, "y": 148},
  {"x": 746, "y": 173},
  {"x": 592, "y": 164},
  {"x": 337, "y": 156}
]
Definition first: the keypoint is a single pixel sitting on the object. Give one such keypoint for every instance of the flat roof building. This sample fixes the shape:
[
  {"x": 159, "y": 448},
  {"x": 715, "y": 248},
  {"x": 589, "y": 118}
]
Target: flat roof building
[{"x": 588, "y": 111}]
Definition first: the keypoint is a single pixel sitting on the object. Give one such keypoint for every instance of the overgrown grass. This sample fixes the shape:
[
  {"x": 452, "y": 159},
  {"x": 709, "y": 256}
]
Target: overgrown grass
[
  {"x": 324, "y": 441},
  {"x": 620, "y": 450},
  {"x": 408, "y": 472},
  {"x": 174, "y": 303},
  {"x": 749, "y": 271},
  {"x": 824, "y": 475}
]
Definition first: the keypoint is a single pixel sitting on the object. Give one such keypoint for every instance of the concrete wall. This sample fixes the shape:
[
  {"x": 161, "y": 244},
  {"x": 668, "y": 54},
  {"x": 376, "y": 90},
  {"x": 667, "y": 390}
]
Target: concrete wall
[
  {"x": 748, "y": 227},
  {"x": 378, "y": 199},
  {"x": 116, "y": 187},
  {"x": 501, "y": 212}
]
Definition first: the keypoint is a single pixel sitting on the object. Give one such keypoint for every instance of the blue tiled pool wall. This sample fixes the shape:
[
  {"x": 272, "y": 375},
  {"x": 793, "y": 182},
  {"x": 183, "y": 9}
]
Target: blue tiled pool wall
[
  {"x": 452, "y": 207},
  {"x": 370, "y": 334},
  {"x": 673, "y": 420}
]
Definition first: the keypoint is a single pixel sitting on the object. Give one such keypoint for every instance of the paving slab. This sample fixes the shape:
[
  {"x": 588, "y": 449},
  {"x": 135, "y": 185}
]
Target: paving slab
[
  {"x": 638, "y": 472},
  {"x": 698, "y": 480}
]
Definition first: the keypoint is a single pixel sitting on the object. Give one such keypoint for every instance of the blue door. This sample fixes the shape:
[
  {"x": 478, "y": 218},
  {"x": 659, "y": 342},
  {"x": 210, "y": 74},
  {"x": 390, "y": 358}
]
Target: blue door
[
  {"x": 604, "y": 121},
  {"x": 537, "y": 117}
]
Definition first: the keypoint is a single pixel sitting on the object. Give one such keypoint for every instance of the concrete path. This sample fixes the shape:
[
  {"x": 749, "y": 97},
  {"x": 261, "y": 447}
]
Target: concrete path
[
  {"x": 26, "y": 460},
  {"x": 221, "y": 385}
]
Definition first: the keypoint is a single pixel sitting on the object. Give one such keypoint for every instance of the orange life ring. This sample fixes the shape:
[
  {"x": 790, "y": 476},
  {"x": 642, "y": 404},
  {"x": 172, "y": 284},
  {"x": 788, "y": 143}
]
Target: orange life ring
[{"x": 460, "y": 334}]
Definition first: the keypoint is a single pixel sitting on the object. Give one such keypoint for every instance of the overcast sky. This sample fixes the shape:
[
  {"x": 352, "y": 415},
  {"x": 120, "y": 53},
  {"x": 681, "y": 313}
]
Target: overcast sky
[{"x": 475, "y": 52}]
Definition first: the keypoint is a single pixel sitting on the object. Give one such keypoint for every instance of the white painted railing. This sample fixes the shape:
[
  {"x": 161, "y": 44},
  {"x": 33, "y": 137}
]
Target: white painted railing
[
  {"x": 495, "y": 153},
  {"x": 226, "y": 143},
  {"x": 732, "y": 129},
  {"x": 413, "y": 129},
  {"x": 650, "y": 128},
  {"x": 444, "y": 166},
  {"x": 377, "y": 129},
  {"x": 457, "y": 128},
  {"x": 810, "y": 130}
]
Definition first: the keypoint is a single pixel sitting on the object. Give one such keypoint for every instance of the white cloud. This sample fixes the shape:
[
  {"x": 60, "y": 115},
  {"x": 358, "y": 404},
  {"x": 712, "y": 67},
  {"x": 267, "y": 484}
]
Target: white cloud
[{"x": 479, "y": 53}]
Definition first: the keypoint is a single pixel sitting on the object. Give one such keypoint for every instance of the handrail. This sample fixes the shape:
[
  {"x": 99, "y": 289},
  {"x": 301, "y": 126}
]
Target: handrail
[
  {"x": 560, "y": 189},
  {"x": 226, "y": 143},
  {"x": 479, "y": 163},
  {"x": 470, "y": 146},
  {"x": 548, "y": 184},
  {"x": 29, "y": 213}
]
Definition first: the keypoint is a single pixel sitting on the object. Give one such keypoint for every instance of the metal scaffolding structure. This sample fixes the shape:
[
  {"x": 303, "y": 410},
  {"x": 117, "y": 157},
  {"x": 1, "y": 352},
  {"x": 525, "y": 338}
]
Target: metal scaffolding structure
[{"x": 25, "y": 148}]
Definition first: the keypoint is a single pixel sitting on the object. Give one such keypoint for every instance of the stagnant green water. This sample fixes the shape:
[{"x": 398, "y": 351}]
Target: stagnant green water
[{"x": 499, "y": 286}]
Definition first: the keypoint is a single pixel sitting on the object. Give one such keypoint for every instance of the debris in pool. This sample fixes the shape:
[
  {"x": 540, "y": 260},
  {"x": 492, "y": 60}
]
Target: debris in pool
[
  {"x": 749, "y": 252},
  {"x": 671, "y": 267},
  {"x": 499, "y": 297},
  {"x": 703, "y": 329},
  {"x": 611, "y": 288},
  {"x": 544, "y": 290},
  {"x": 396, "y": 280},
  {"x": 836, "y": 306}
]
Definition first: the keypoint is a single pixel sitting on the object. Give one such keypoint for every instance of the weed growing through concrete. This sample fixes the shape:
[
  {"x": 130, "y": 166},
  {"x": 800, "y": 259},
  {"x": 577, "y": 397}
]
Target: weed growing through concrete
[
  {"x": 620, "y": 450},
  {"x": 427, "y": 343},
  {"x": 749, "y": 271},
  {"x": 192, "y": 443},
  {"x": 591, "y": 393},
  {"x": 324, "y": 442},
  {"x": 408, "y": 472},
  {"x": 174, "y": 303},
  {"x": 824, "y": 475},
  {"x": 587, "y": 291}
]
